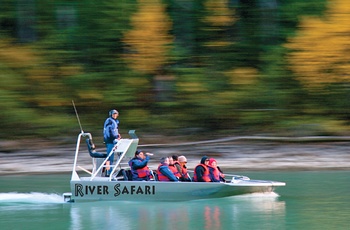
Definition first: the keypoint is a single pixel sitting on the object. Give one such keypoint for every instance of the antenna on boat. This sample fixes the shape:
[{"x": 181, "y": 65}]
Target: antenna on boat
[{"x": 76, "y": 113}]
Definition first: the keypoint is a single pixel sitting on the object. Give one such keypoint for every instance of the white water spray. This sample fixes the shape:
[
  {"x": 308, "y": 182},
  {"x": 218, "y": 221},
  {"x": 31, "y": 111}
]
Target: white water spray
[{"x": 30, "y": 198}]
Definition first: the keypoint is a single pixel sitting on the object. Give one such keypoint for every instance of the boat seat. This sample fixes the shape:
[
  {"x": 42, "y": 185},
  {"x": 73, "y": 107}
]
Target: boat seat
[
  {"x": 154, "y": 174},
  {"x": 92, "y": 151},
  {"x": 126, "y": 174}
]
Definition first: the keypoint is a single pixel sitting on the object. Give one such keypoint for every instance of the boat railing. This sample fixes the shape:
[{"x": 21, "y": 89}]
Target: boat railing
[
  {"x": 103, "y": 164},
  {"x": 228, "y": 177},
  {"x": 124, "y": 147},
  {"x": 121, "y": 154}
]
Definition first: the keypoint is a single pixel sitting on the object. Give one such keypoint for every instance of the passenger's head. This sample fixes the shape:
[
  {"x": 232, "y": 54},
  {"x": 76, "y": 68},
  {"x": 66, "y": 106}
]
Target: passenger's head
[
  {"x": 164, "y": 160},
  {"x": 171, "y": 160},
  {"x": 205, "y": 160},
  {"x": 140, "y": 154},
  {"x": 212, "y": 162},
  {"x": 182, "y": 160},
  {"x": 175, "y": 157}
]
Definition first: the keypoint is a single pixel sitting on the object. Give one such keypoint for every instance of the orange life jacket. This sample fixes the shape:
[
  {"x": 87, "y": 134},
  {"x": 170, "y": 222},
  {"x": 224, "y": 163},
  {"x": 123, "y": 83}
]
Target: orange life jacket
[
  {"x": 184, "y": 172},
  {"x": 141, "y": 172},
  {"x": 175, "y": 171},
  {"x": 205, "y": 176},
  {"x": 161, "y": 177}
]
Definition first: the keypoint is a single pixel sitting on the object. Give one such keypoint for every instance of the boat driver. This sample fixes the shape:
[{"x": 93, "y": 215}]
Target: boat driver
[{"x": 111, "y": 136}]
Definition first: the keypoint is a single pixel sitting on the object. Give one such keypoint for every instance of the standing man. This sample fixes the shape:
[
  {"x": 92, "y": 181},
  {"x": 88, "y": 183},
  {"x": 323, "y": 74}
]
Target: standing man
[{"x": 111, "y": 136}]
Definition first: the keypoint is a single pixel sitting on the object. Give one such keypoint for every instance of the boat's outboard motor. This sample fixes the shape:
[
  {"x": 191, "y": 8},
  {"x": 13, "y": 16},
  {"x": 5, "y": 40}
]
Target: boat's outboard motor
[{"x": 92, "y": 151}]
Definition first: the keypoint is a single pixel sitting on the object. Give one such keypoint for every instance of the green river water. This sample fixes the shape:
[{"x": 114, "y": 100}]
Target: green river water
[{"x": 310, "y": 200}]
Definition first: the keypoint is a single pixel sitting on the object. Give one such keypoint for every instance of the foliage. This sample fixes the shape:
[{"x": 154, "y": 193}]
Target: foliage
[
  {"x": 321, "y": 47},
  {"x": 148, "y": 42},
  {"x": 174, "y": 66}
]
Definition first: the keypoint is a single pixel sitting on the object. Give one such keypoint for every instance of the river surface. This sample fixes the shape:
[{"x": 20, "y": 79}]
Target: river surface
[{"x": 310, "y": 200}]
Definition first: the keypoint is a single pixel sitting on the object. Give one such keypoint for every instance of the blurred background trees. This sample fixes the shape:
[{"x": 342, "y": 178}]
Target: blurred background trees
[{"x": 175, "y": 66}]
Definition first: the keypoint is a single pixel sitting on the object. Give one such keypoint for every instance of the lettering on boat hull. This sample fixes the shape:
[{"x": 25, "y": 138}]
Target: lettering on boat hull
[{"x": 81, "y": 190}]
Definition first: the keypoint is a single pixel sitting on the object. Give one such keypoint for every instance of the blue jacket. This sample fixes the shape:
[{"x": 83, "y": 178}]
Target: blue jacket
[
  {"x": 166, "y": 172},
  {"x": 110, "y": 130},
  {"x": 139, "y": 168}
]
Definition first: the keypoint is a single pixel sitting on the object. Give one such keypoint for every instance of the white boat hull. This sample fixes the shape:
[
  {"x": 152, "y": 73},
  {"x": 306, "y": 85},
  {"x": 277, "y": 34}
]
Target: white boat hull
[{"x": 165, "y": 191}]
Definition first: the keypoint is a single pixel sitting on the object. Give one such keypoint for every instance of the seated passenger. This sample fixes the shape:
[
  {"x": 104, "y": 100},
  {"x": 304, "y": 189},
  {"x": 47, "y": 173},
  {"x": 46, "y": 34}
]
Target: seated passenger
[
  {"x": 173, "y": 167},
  {"x": 184, "y": 176},
  {"x": 164, "y": 173},
  {"x": 216, "y": 175},
  {"x": 138, "y": 166},
  {"x": 201, "y": 171},
  {"x": 176, "y": 163}
]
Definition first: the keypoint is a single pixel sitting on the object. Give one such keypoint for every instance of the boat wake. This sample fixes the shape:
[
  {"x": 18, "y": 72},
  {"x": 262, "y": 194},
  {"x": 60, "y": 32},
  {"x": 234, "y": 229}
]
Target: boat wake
[
  {"x": 260, "y": 195},
  {"x": 30, "y": 198}
]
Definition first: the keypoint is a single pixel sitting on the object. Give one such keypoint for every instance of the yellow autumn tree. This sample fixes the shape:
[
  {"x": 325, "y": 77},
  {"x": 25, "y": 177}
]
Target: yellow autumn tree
[
  {"x": 219, "y": 13},
  {"x": 149, "y": 40},
  {"x": 320, "y": 51},
  {"x": 219, "y": 16}
]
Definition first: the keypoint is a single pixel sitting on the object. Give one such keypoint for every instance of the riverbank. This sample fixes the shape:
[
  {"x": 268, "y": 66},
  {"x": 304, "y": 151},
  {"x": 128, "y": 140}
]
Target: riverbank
[{"x": 232, "y": 154}]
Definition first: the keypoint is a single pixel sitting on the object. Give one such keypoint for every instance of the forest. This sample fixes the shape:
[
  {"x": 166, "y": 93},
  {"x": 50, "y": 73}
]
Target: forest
[{"x": 175, "y": 67}]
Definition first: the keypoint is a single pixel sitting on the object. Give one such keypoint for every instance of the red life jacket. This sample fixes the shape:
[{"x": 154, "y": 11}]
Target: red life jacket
[
  {"x": 184, "y": 172},
  {"x": 143, "y": 172},
  {"x": 140, "y": 173},
  {"x": 161, "y": 177},
  {"x": 205, "y": 177},
  {"x": 216, "y": 173},
  {"x": 174, "y": 170}
]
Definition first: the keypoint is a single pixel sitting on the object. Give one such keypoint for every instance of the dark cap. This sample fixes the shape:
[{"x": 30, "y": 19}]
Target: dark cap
[
  {"x": 138, "y": 152},
  {"x": 204, "y": 159}
]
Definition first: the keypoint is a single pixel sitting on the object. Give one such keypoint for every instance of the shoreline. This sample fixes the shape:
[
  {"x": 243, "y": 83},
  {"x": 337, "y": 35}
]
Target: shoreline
[{"x": 232, "y": 154}]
